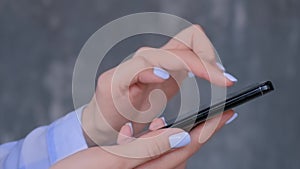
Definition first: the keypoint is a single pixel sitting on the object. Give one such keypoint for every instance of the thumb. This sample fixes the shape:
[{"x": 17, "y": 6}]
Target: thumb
[{"x": 150, "y": 145}]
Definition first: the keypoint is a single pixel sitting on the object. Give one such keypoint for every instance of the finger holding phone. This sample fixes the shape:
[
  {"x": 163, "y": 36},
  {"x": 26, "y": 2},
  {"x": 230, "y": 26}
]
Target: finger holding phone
[{"x": 160, "y": 148}]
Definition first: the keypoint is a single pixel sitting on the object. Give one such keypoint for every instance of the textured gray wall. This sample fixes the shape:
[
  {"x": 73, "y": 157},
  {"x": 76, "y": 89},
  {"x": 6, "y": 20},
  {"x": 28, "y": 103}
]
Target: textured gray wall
[{"x": 257, "y": 40}]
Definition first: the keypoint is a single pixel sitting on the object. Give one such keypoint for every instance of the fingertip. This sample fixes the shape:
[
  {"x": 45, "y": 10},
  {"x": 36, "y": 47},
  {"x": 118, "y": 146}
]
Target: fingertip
[
  {"x": 164, "y": 121},
  {"x": 228, "y": 113},
  {"x": 129, "y": 125},
  {"x": 229, "y": 83},
  {"x": 226, "y": 116},
  {"x": 230, "y": 77},
  {"x": 213, "y": 74},
  {"x": 161, "y": 73},
  {"x": 191, "y": 74},
  {"x": 232, "y": 118},
  {"x": 179, "y": 140},
  {"x": 149, "y": 76},
  {"x": 225, "y": 79},
  {"x": 157, "y": 123},
  {"x": 126, "y": 132}
]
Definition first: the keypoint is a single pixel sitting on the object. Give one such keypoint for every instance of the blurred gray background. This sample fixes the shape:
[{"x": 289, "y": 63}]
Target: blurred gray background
[{"x": 257, "y": 40}]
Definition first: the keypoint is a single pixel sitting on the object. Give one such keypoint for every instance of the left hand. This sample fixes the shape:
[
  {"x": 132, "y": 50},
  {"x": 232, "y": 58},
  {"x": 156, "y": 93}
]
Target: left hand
[{"x": 156, "y": 152}]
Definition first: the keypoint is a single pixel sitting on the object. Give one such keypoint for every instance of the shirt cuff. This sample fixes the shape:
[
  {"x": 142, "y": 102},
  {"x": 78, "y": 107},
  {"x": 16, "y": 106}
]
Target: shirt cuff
[{"x": 65, "y": 136}]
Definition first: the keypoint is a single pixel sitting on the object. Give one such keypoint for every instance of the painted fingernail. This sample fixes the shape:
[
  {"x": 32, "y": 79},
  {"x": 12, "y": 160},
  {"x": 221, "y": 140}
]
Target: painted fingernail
[
  {"x": 230, "y": 77},
  {"x": 164, "y": 120},
  {"x": 220, "y": 66},
  {"x": 191, "y": 74},
  {"x": 234, "y": 116},
  {"x": 129, "y": 124},
  {"x": 179, "y": 140},
  {"x": 159, "y": 72}
]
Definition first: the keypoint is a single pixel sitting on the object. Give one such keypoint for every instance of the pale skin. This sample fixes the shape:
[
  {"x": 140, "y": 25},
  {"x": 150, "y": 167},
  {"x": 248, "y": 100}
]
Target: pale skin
[
  {"x": 97, "y": 157},
  {"x": 123, "y": 95}
]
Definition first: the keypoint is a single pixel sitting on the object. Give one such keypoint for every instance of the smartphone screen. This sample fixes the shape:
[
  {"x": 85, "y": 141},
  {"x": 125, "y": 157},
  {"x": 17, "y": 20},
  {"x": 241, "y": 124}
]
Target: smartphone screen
[{"x": 232, "y": 100}]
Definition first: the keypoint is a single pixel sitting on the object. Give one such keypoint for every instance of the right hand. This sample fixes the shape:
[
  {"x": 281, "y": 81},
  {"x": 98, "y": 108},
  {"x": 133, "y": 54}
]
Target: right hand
[{"x": 126, "y": 93}]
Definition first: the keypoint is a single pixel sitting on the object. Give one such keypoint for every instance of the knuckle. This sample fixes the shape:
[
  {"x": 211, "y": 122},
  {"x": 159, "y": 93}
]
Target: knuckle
[
  {"x": 204, "y": 74},
  {"x": 142, "y": 49},
  {"x": 102, "y": 81},
  {"x": 155, "y": 148},
  {"x": 141, "y": 54},
  {"x": 199, "y": 27}
]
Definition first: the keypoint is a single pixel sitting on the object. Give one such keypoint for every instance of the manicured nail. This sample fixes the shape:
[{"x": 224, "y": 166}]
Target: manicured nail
[
  {"x": 161, "y": 73},
  {"x": 130, "y": 126},
  {"x": 191, "y": 74},
  {"x": 179, "y": 140},
  {"x": 220, "y": 66},
  {"x": 230, "y": 77},
  {"x": 164, "y": 120},
  {"x": 234, "y": 116}
]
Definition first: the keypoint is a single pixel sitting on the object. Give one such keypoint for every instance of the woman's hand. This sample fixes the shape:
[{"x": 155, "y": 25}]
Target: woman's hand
[
  {"x": 163, "y": 148},
  {"x": 138, "y": 89}
]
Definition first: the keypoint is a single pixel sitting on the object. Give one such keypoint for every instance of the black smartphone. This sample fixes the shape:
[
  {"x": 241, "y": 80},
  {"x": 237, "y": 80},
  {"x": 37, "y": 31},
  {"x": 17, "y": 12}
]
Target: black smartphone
[{"x": 232, "y": 100}]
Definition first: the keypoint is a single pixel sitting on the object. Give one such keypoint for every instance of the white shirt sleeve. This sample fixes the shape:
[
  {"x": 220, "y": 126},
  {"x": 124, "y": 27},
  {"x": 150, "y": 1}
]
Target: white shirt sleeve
[{"x": 45, "y": 145}]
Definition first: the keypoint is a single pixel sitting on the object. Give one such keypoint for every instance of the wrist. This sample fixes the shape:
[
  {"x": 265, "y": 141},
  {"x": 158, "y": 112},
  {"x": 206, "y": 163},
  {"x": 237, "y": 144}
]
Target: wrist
[{"x": 97, "y": 131}]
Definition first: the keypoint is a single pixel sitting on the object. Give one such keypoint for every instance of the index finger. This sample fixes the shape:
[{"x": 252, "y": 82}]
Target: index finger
[{"x": 195, "y": 39}]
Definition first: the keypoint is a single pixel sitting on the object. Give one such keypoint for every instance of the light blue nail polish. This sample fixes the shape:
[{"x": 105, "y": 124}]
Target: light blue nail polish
[
  {"x": 130, "y": 126},
  {"x": 179, "y": 140},
  {"x": 164, "y": 120},
  {"x": 159, "y": 72},
  {"x": 234, "y": 116},
  {"x": 230, "y": 77},
  {"x": 191, "y": 74},
  {"x": 220, "y": 66}
]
